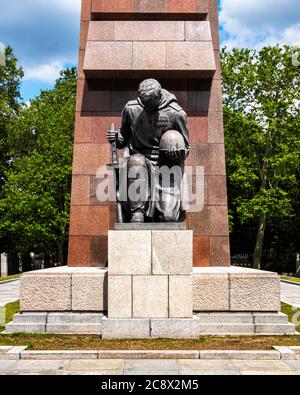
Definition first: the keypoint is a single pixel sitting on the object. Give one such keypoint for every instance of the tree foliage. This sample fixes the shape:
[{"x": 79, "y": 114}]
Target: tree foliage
[
  {"x": 261, "y": 107},
  {"x": 34, "y": 208}
]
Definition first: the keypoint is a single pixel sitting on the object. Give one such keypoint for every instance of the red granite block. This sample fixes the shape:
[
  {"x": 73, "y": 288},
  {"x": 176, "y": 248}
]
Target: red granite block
[
  {"x": 197, "y": 191},
  {"x": 81, "y": 53},
  {"x": 197, "y": 31},
  {"x": 181, "y": 96},
  {"x": 100, "y": 125},
  {"x": 210, "y": 156},
  {"x": 206, "y": 100},
  {"x": 186, "y": 6},
  {"x": 91, "y": 100},
  {"x": 149, "y": 55},
  {"x": 218, "y": 64},
  {"x": 217, "y": 191},
  {"x": 86, "y": 6},
  {"x": 89, "y": 221},
  {"x": 79, "y": 251},
  {"x": 101, "y": 31},
  {"x": 213, "y": 9},
  {"x": 214, "y": 24},
  {"x": 201, "y": 251},
  {"x": 99, "y": 251},
  {"x": 80, "y": 190},
  {"x": 82, "y": 132},
  {"x": 203, "y": 6},
  {"x": 119, "y": 99},
  {"x": 149, "y": 31},
  {"x": 198, "y": 101},
  {"x": 95, "y": 184},
  {"x": 84, "y": 27},
  {"x": 88, "y": 158},
  {"x": 113, "y": 6},
  {"x": 198, "y": 129},
  {"x": 215, "y": 127},
  {"x": 108, "y": 55},
  {"x": 150, "y": 6},
  {"x": 190, "y": 56},
  {"x": 220, "y": 251},
  {"x": 211, "y": 221}
]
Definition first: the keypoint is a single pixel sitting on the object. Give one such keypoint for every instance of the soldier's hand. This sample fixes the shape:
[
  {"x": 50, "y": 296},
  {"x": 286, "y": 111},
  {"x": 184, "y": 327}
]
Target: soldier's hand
[
  {"x": 112, "y": 136},
  {"x": 175, "y": 155}
]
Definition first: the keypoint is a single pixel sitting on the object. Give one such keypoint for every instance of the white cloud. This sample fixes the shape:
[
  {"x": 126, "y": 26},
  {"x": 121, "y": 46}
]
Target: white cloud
[
  {"x": 256, "y": 23},
  {"x": 45, "y": 72}
]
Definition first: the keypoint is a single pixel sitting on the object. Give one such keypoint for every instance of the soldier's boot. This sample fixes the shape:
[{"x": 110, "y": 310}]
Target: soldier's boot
[{"x": 138, "y": 217}]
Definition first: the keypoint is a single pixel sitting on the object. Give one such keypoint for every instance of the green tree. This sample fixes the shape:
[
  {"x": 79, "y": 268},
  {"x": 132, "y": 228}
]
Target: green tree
[
  {"x": 34, "y": 209},
  {"x": 261, "y": 108},
  {"x": 10, "y": 79}
]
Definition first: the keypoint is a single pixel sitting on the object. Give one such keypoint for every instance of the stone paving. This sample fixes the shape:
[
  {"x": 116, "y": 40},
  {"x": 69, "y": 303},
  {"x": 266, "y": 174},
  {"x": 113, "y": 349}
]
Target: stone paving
[
  {"x": 149, "y": 367},
  {"x": 9, "y": 292},
  {"x": 290, "y": 294}
]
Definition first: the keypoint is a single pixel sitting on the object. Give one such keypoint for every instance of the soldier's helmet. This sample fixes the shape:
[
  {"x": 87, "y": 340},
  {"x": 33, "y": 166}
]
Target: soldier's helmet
[{"x": 172, "y": 140}]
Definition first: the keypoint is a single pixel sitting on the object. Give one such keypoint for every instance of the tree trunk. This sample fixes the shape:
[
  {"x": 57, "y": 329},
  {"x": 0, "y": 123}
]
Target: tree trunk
[
  {"x": 60, "y": 252},
  {"x": 259, "y": 241}
]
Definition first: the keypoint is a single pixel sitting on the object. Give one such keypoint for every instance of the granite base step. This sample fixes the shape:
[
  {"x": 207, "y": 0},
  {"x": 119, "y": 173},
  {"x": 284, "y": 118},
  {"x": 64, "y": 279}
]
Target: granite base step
[{"x": 202, "y": 324}]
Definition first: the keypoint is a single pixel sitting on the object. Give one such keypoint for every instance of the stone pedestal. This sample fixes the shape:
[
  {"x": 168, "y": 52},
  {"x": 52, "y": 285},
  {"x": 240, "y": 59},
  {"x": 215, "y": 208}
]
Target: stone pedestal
[
  {"x": 226, "y": 301},
  {"x": 3, "y": 265},
  {"x": 150, "y": 274}
]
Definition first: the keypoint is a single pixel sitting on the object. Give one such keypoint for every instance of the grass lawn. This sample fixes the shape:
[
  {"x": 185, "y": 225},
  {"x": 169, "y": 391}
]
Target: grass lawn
[
  {"x": 294, "y": 279},
  {"x": 56, "y": 342},
  {"x": 10, "y": 277}
]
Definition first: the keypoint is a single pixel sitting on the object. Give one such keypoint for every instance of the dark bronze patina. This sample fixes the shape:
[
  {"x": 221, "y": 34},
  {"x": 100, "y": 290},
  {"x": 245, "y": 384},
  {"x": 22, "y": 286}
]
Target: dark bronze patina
[{"x": 154, "y": 131}]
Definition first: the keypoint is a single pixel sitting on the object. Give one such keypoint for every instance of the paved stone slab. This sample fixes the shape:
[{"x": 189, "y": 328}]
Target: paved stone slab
[
  {"x": 15, "y": 353},
  {"x": 141, "y": 354},
  {"x": 126, "y": 329},
  {"x": 97, "y": 365},
  {"x": 9, "y": 292},
  {"x": 245, "y": 355},
  {"x": 49, "y": 355},
  {"x": 158, "y": 367},
  {"x": 290, "y": 294},
  {"x": 285, "y": 353},
  {"x": 125, "y": 258}
]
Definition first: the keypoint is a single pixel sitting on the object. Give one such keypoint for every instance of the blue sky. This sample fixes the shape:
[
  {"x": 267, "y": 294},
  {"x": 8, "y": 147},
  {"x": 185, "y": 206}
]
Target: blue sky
[{"x": 45, "y": 33}]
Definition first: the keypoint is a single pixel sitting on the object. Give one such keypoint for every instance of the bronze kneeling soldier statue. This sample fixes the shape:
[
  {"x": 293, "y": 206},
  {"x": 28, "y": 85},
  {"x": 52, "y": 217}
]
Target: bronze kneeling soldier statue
[{"x": 154, "y": 130}]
